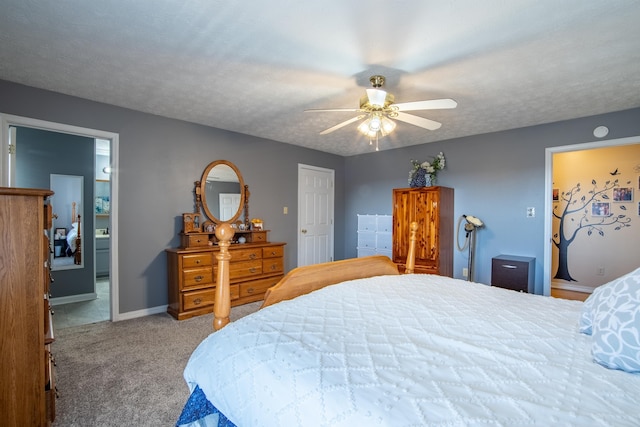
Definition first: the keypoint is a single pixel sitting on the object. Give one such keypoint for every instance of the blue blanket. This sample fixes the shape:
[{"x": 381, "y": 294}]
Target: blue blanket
[{"x": 198, "y": 411}]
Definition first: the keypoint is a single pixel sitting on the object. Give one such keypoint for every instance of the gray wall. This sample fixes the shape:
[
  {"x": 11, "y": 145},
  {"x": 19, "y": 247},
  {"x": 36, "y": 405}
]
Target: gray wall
[
  {"x": 36, "y": 160},
  {"x": 159, "y": 160},
  {"x": 495, "y": 176}
]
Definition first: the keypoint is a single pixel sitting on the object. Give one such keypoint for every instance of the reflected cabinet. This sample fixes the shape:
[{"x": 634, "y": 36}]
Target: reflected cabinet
[{"x": 432, "y": 208}]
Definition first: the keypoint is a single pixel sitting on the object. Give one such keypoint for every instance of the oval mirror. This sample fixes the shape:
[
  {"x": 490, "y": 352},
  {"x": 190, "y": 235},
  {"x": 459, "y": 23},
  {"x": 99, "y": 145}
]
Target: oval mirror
[{"x": 222, "y": 191}]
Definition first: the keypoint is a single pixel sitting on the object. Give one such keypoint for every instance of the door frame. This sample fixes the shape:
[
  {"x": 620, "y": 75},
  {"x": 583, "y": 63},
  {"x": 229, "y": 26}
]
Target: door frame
[
  {"x": 332, "y": 195},
  {"x": 8, "y": 120},
  {"x": 548, "y": 191}
]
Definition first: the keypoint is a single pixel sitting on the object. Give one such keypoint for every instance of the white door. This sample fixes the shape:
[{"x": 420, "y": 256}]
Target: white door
[
  {"x": 229, "y": 204},
  {"x": 315, "y": 215}
]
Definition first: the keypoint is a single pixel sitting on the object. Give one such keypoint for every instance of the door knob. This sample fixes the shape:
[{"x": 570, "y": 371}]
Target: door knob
[{"x": 303, "y": 231}]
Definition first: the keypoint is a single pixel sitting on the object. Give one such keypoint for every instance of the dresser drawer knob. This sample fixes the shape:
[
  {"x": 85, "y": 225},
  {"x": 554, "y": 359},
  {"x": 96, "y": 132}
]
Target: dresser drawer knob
[
  {"x": 273, "y": 252},
  {"x": 252, "y": 256},
  {"x": 197, "y": 301},
  {"x": 509, "y": 266},
  {"x": 252, "y": 270},
  {"x": 199, "y": 278},
  {"x": 197, "y": 261},
  {"x": 250, "y": 290}
]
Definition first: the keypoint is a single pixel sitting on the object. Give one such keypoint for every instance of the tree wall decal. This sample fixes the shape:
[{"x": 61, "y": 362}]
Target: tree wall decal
[{"x": 575, "y": 218}]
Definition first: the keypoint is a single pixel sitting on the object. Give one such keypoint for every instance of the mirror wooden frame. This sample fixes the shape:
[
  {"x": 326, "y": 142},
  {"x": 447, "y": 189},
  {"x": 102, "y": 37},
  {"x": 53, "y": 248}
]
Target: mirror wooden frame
[{"x": 201, "y": 192}]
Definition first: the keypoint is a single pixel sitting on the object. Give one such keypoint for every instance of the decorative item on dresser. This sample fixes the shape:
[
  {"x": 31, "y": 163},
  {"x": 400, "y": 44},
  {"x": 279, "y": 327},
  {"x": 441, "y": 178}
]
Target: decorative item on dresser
[
  {"x": 432, "y": 209},
  {"x": 26, "y": 330},
  {"x": 255, "y": 264}
]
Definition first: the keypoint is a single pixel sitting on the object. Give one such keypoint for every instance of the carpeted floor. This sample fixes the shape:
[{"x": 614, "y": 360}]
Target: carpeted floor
[{"x": 129, "y": 372}]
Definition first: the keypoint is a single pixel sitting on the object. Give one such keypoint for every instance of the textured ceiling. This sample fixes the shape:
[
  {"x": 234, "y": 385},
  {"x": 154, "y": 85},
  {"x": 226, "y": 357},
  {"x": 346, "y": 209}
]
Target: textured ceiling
[{"x": 254, "y": 66}]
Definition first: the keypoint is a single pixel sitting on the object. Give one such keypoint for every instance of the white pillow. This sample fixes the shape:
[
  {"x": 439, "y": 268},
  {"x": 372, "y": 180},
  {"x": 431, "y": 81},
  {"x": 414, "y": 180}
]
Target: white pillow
[{"x": 612, "y": 316}]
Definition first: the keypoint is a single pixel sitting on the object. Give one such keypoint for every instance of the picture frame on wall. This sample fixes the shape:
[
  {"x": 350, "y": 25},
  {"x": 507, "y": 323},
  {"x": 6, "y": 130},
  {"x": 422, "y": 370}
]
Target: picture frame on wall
[
  {"x": 623, "y": 194},
  {"x": 556, "y": 194},
  {"x": 600, "y": 209}
]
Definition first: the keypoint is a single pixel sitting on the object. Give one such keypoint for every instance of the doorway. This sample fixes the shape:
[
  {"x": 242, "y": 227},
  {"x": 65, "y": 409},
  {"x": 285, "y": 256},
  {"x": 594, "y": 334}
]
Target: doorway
[
  {"x": 549, "y": 200},
  {"x": 8, "y": 179},
  {"x": 315, "y": 214}
]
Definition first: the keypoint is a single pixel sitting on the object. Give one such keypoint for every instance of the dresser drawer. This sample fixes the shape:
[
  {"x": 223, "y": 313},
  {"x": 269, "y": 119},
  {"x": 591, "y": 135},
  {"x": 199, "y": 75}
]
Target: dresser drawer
[
  {"x": 272, "y": 265},
  {"x": 234, "y": 292},
  {"x": 245, "y": 269},
  {"x": 246, "y": 254},
  {"x": 197, "y": 260},
  {"x": 197, "y": 277},
  {"x": 195, "y": 240},
  {"x": 257, "y": 287},
  {"x": 259, "y": 236},
  {"x": 273, "y": 252},
  {"x": 513, "y": 272},
  {"x": 198, "y": 299}
]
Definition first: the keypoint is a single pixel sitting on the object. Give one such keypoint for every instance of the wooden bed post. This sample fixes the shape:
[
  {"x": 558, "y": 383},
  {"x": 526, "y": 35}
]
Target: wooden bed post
[
  {"x": 77, "y": 257},
  {"x": 222, "y": 303},
  {"x": 411, "y": 255}
]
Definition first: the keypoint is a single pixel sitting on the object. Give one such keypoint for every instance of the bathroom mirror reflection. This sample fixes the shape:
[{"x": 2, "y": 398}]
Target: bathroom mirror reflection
[{"x": 67, "y": 231}]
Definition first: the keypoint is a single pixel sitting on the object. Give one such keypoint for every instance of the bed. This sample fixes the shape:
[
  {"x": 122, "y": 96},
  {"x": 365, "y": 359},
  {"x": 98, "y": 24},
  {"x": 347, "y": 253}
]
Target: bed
[
  {"x": 416, "y": 350},
  {"x": 74, "y": 238}
]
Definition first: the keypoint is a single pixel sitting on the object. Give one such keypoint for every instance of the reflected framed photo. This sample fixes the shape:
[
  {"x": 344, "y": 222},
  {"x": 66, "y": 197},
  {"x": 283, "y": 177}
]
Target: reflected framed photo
[
  {"x": 556, "y": 194},
  {"x": 61, "y": 233},
  {"x": 600, "y": 209},
  {"x": 623, "y": 194}
]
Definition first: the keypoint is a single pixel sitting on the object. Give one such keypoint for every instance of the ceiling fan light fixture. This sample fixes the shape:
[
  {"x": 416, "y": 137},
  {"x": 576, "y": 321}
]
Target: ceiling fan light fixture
[
  {"x": 377, "y": 97},
  {"x": 374, "y": 124},
  {"x": 387, "y": 127},
  {"x": 378, "y": 108},
  {"x": 365, "y": 128}
]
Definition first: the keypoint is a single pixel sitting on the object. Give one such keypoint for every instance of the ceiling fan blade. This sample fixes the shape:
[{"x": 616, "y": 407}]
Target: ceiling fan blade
[
  {"x": 433, "y": 104},
  {"x": 343, "y": 124},
  {"x": 352, "y": 110},
  {"x": 418, "y": 121}
]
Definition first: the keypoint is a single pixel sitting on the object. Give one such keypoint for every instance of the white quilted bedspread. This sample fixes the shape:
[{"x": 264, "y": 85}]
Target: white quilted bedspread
[{"x": 412, "y": 350}]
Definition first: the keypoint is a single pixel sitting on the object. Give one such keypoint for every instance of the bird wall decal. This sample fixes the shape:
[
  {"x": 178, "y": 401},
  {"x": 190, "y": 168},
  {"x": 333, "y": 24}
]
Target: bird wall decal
[{"x": 615, "y": 172}]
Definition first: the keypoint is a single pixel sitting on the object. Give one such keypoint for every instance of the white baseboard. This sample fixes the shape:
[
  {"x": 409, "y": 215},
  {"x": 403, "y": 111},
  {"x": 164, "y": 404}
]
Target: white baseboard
[
  {"x": 140, "y": 313},
  {"x": 73, "y": 298},
  {"x": 569, "y": 287},
  {"x": 116, "y": 317}
]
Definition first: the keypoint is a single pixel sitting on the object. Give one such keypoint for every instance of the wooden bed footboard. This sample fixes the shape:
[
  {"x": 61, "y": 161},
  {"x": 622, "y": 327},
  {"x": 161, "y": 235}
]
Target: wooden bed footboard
[{"x": 302, "y": 280}]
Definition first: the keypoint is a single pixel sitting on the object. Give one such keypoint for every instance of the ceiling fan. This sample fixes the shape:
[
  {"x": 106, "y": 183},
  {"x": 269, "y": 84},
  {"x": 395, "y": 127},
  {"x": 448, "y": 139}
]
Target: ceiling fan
[{"x": 377, "y": 108}]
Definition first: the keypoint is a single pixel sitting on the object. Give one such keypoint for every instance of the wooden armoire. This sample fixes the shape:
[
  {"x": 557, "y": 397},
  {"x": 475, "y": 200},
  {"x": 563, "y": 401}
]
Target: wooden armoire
[
  {"x": 27, "y": 397},
  {"x": 432, "y": 208}
]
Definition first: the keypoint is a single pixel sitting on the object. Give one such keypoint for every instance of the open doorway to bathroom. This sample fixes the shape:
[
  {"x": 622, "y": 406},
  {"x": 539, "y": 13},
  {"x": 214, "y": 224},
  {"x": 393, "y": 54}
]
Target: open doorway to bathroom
[
  {"x": 94, "y": 296},
  {"x": 95, "y": 309}
]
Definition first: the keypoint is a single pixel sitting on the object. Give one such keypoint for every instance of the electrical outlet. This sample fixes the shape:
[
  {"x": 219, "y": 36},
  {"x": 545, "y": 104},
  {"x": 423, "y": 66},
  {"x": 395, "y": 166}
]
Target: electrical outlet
[
  {"x": 465, "y": 272},
  {"x": 531, "y": 212}
]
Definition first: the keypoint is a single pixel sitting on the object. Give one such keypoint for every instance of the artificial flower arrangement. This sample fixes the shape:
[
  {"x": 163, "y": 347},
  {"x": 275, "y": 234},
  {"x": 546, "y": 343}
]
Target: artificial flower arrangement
[{"x": 424, "y": 174}]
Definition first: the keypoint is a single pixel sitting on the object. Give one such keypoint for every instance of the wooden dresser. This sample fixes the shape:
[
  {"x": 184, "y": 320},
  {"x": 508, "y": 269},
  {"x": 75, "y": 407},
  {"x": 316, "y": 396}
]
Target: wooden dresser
[
  {"x": 432, "y": 208},
  {"x": 254, "y": 267},
  {"x": 26, "y": 332}
]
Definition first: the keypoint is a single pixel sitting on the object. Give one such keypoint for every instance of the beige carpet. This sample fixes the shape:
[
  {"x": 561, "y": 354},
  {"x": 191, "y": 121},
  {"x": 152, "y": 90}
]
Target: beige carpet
[{"x": 129, "y": 372}]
